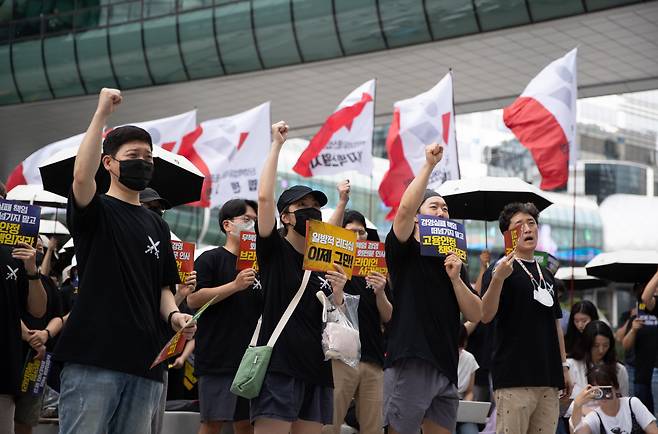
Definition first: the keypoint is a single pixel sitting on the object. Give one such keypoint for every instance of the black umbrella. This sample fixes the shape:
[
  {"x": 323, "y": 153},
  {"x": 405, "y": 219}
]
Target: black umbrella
[
  {"x": 174, "y": 176},
  {"x": 628, "y": 266}
]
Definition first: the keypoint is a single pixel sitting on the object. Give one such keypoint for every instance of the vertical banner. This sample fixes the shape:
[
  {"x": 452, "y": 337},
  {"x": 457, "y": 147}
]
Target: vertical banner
[
  {"x": 247, "y": 254},
  {"x": 370, "y": 256},
  {"x": 184, "y": 254},
  {"x": 439, "y": 237},
  {"x": 327, "y": 245},
  {"x": 19, "y": 223}
]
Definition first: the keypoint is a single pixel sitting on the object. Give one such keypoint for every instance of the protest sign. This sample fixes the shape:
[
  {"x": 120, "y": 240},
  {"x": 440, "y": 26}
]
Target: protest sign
[
  {"x": 370, "y": 256},
  {"x": 511, "y": 239},
  {"x": 548, "y": 261},
  {"x": 176, "y": 344},
  {"x": 19, "y": 223},
  {"x": 327, "y": 245},
  {"x": 35, "y": 374},
  {"x": 439, "y": 237},
  {"x": 184, "y": 254},
  {"x": 247, "y": 253},
  {"x": 647, "y": 318}
]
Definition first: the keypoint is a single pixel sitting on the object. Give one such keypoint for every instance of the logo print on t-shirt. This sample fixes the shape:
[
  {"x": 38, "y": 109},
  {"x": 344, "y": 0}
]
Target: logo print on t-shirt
[
  {"x": 12, "y": 274},
  {"x": 153, "y": 248},
  {"x": 324, "y": 284},
  {"x": 257, "y": 285}
]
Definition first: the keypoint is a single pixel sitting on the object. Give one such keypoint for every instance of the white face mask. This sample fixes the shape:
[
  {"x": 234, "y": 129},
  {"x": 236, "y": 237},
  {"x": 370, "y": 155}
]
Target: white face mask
[{"x": 243, "y": 227}]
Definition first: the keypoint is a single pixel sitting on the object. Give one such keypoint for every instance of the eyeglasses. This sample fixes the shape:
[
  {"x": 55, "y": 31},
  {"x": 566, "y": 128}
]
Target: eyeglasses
[{"x": 244, "y": 219}]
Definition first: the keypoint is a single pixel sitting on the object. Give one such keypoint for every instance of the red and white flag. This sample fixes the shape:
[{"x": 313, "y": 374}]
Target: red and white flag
[
  {"x": 344, "y": 142},
  {"x": 166, "y": 132},
  {"x": 418, "y": 122},
  {"x": 230, "y": 152},
  {"x": 543, "y": 118}
]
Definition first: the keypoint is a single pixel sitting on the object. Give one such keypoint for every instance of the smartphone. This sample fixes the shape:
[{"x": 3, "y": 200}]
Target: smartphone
[{"x": 603, "y": 392}]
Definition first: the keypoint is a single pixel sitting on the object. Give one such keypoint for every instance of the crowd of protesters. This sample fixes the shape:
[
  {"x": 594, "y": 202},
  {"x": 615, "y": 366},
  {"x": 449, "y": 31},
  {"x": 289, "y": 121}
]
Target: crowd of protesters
[{"x": 429, "y": 338}]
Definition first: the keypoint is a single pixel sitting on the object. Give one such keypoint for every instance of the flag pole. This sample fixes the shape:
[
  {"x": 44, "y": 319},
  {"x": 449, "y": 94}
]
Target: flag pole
[
  {"x": 573, "y": 233},
  {"x": 372, "y": 144}
]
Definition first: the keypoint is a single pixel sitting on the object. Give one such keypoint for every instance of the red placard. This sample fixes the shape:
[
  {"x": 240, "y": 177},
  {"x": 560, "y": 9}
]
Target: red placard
[
  {"x": 370, "y": 256},
  {"x": 184, "y": 254},
  {"x": 173, "y": 348},
  {"x": 511, "y": 239},
  {"x": 247, "y": 254}
]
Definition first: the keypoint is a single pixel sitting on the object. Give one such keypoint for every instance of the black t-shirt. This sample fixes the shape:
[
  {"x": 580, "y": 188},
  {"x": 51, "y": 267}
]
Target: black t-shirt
[
  {"x": 124, "y": 260},
  {"x": 426, "y": 316},
  {"x": 68, "y": 294},
  {"x": 53, "y": 309},
  {"x": 13, "y": 299},
  {"x": 645, "y": 349},
  {"x": 226, "y": 327},
  {"x": 370, "y": 324},
  {"x": 480, "y": 344},
  {"x": 298, "y": 352},
  {"x": 526, "y": 348}
]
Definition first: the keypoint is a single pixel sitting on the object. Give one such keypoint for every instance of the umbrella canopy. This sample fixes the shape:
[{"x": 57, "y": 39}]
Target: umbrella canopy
[
  {"x": 624, "y": 265},
  {"x": 485, "y": 197},
  {"x": 580, "y": 278},
  {"x": 52, "y": 227},
  {"x": 35, "y": 195},
  {"x": 174, "y": 177},
  {"x": 68, "y": 246}
]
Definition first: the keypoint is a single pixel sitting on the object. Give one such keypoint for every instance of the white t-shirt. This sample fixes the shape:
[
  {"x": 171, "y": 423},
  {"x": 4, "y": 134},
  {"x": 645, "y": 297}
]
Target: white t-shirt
[
  {"x": 622, "y": 423},
  {"x": 467, "y": 367}
]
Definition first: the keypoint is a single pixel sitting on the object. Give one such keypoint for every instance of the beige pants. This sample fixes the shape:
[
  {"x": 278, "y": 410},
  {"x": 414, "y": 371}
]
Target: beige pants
[
  {"x": 7, "y": 409},
  {"x": 527, "y": 410},
  {"x": 366, "y": 385}
]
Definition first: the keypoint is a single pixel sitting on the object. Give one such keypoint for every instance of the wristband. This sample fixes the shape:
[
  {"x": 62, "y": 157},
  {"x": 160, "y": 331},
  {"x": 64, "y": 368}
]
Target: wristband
[
  {"x": 171, "y": 314},
  {"x": 49, "y": 335},
  {"x": 34, "y": 276}
]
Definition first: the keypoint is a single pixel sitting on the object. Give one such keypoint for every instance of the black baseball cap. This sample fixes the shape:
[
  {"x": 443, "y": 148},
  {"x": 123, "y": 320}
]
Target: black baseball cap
[
  {"x": 150, "y": 195},
  {"x": 296, "y": 192}
]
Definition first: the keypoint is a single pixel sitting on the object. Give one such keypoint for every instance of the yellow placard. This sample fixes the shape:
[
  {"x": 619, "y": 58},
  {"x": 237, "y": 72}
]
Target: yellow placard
[{"x": 327, "y": 245}]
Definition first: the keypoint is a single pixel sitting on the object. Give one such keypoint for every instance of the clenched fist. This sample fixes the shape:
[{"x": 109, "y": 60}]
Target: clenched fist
[
  {"x": 279, "y": 133},
  {"x": 108, "y": 100},
  {"x": 433, "y": 154}
]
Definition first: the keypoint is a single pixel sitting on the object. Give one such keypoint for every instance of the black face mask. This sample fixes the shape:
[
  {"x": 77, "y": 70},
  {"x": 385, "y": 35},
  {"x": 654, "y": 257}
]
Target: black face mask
[
  {"x": 135, "y": 173},
  {"x": 39, "y": 259},
  {"x": 302, "y": 216}
]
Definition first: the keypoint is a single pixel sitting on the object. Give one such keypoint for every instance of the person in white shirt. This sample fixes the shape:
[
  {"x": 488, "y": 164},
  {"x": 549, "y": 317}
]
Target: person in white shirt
[
  {"x": 612, "y": 414},
  {"x": 465, "y": 380}
]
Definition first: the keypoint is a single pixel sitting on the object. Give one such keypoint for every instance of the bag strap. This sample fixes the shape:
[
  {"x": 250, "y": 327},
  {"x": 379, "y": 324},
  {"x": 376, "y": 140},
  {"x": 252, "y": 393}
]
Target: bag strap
[
  {"x": 291, "y": 308},
  {"x": 284, "y": 318}
]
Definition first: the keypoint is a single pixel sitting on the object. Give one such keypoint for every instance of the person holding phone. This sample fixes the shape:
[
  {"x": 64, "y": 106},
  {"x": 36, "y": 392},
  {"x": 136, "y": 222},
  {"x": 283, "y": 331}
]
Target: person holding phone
[{"x": 611, "y": 414}]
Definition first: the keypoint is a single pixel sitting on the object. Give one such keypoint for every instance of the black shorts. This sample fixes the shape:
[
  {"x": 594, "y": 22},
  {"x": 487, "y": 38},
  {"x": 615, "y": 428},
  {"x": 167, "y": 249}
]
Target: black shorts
[
  {"x": 216, "y": 401},
  {"x": 290, "y": 399}
]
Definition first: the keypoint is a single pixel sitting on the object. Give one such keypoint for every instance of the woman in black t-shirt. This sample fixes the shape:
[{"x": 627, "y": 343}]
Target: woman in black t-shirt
[{"x": 297, "y": 390}]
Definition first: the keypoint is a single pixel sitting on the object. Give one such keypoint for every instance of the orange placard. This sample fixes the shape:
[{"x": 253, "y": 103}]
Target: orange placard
[
  {"x": 327, "y": 245},
  {"x": 184, "y": 254},
  {"x": 370, "y": 256},
  {"x": 511, "y": 239},
  {"x": 247, "y": 255}
]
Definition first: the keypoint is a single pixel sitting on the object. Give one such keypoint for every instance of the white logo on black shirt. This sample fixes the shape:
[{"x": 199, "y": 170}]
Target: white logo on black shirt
[
  {"x": 12, "y": 274},
  {"x": 257, "y": 285},
  {"x": 325, "y": 285},
  {"x": 153, "y": 248}
]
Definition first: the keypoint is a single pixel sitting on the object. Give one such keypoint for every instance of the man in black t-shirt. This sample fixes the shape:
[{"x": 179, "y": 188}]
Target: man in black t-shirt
[
  {"x": 296, "y": 393},
  {"x": 20, "y": 288},
  {"x": 365, "y": 383},
  {"x": 226, "y": 327},
  {"x": 127, "y": 276},
  {"x": 420, "y": 376},
  {"x": 529, "y": 362}
]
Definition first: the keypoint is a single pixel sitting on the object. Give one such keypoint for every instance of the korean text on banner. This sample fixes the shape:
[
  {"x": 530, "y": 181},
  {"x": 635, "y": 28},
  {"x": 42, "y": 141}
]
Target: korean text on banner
[
  {"x": 511, "y": 238},
  {"x": 19, "y": 223},
  {"x": 184, "y": 254},
  {"x": 370, "y": 256},
  {"x": 247, "y": 253},
  {"x": 439, "y": 237},
  {"x": 327, "y": 245}
]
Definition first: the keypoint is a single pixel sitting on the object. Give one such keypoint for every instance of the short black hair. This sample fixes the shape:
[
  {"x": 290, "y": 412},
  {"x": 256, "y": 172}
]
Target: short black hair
[
  {"x": 3, "y": 190},
  {"x": 603, "y": 375},
  {"x": 463, "y": 336},
  {"x": 235, "y": 208},
  {"x": 125, "y": 134},
  {"x": 583, "y": 349},
  {"x": 353, "y": 216},
  {"x": 512, "y": 209}
]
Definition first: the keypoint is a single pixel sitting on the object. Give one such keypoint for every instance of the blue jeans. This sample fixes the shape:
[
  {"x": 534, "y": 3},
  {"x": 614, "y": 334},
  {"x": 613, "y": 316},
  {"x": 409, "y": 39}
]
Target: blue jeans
[
  {"x": 99, "y": 401},
  {"x": 466, "y": 428},
  {"x": 648, "y": 393}
]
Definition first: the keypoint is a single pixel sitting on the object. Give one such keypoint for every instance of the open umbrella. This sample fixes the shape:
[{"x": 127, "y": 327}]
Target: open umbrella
[
  {"x": 624, "y": 265},
  {"x": 580, "y": 278},
  {"x": 485, "y": 197},
  {"x": 52, "y": 227},
  {"x": 35, "y": 195},
  {"x": 174, "y": 177}
]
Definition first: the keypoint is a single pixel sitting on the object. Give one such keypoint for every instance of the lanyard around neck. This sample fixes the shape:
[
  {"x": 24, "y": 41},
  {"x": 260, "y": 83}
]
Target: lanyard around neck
[{"x": 532, "y": 278}]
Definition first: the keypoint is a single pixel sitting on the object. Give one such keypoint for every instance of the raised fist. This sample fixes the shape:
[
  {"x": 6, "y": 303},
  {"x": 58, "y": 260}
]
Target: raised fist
[{"x": 108, "y": 100}]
